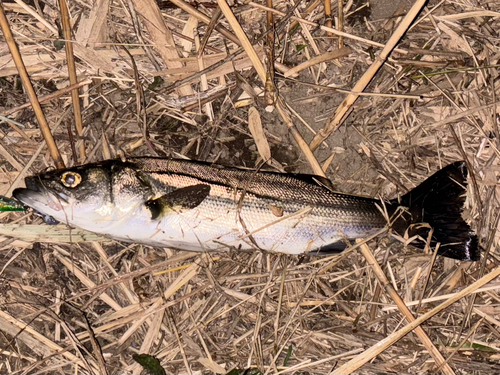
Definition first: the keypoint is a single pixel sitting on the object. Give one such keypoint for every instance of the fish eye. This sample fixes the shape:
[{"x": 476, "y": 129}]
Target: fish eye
[{"x": 71, "y": 179}]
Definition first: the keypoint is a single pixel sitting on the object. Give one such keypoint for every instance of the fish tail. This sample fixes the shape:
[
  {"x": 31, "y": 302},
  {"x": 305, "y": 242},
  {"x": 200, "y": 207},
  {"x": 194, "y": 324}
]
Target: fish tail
[{"x": 439, "y": 201}]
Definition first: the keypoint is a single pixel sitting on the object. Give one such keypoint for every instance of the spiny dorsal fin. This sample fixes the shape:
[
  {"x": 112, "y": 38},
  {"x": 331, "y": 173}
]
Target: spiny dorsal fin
[{"x": 178, "y": 201}]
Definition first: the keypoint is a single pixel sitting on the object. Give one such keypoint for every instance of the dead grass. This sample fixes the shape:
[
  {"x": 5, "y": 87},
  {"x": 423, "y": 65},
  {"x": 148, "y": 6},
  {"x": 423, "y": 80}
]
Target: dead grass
[{"x": 176, "y": 83}]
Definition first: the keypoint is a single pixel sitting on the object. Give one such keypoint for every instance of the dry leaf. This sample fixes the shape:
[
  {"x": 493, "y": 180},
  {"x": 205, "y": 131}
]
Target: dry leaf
[{"x": 255, "y": 125}]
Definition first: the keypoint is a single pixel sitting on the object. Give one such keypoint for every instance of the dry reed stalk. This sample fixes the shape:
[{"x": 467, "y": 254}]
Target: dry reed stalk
[
  {"x": 464, "y": 15},
  {"x": 328, "y": 29},
  {"x": 210, "y": 28},
  {"x": 316, "y": 167},
  {"x": 382, "y": 345},
  {"x": 36, "y": 15},
  {"x": 16, "y": 56},
  {"x": 337, "y": 54},
  {"x": 15, "y": 126},
  {"x": 328, "y": 14},
  {"x": 14, "y": 326},
  {"x": 307, "y": 11},
  {"x": 131, "y": 295},
  {"x": 106, "y": 298},
  {"x": 333, "y": 314},
  {"x": 245, "y": 43},
  {"x": 426, "y": 341},
  {"x": 203, "y": 79},
  {"x": 226, "y": 10},
  {"x": 77, "y": 112},
  {"x": 453, "y": 118},
  {"x": 270, "y": 91},
  {"x": 161, "y": 35},
  {"x": 205, "y": 19},
  {"x": 314, "y": 46},
  {"x": 336, "y": 120},
  {"x": 459, "y": 346},
  {"x": 46, "y": 98},
  {"x": 340, "y": 26}
]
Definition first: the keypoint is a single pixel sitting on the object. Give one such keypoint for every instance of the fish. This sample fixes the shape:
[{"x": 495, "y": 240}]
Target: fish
[{"x": 198, "y": 206}]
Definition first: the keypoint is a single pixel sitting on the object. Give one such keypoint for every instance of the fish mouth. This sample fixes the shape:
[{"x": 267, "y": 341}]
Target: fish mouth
[{"x": 40, "y": 197}]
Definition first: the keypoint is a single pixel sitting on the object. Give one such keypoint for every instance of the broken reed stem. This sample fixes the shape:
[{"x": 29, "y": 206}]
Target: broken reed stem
[
  {"x": 308, "y": 10},
  {"x": 16, "y": 56},
  {"x": 270, "y": 92},
  {"x": 340, "y": 26},
  {"x": 247, "y": 46},
  {"x": 205, "y": 19},
  {"x": 203, "y": 79},
  {"x": 346, "y": 104},
  {"x": 210, "y": 28},
  {"x": 328, "y": 15},
  {"x": 245, "y": 43},
  {"x": 337, "y": 54},
  {"x": 382, "y": 345},
  {"x": 426, "y": 341},
  {"x": 73, "y": 80},
  {"x": 329, "y": 29},
  {"x": 50, "y": 96}
]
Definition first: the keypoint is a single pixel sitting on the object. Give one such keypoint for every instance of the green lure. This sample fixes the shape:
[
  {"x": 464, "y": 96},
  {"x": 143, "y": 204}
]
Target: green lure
[{"x": 10, "y": 204}]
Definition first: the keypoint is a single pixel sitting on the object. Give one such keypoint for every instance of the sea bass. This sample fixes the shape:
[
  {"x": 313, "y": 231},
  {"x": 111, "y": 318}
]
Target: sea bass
[{"x": 202, "y": 207}]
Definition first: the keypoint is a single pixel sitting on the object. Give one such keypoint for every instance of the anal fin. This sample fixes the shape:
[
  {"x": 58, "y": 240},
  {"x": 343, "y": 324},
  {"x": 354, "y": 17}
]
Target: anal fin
[{"x": 332, "y": 248}]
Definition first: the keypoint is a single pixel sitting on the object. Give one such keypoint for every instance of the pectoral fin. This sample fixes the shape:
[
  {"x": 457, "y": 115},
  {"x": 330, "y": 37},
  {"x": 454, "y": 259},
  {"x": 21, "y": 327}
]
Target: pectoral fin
[{"x": 178, "y": 201}]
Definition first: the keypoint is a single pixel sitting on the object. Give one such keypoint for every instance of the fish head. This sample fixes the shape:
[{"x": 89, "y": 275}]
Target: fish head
[{"x": 92, "y": 197}]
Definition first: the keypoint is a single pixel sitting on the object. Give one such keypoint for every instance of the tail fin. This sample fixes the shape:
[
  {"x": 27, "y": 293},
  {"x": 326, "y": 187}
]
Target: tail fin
[{"x": 439, "y": 201}]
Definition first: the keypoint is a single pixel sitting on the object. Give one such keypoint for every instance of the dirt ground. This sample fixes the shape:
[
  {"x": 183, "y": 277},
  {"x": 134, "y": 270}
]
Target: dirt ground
[{"x": 74, "y": 302}]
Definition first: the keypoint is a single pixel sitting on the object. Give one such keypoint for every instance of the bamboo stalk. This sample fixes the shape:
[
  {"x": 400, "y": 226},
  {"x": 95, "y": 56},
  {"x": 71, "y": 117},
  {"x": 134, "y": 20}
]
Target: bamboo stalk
[{"x": 23, "y": 73}]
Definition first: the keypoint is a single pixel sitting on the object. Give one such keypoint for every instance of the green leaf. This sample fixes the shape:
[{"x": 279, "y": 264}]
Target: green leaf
[
  {"x": 151, "y": 364},
  {"x": 288, "y": 355},
  {"x": 249, "y": 371},
  {"x": 300, "y": 47}
]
